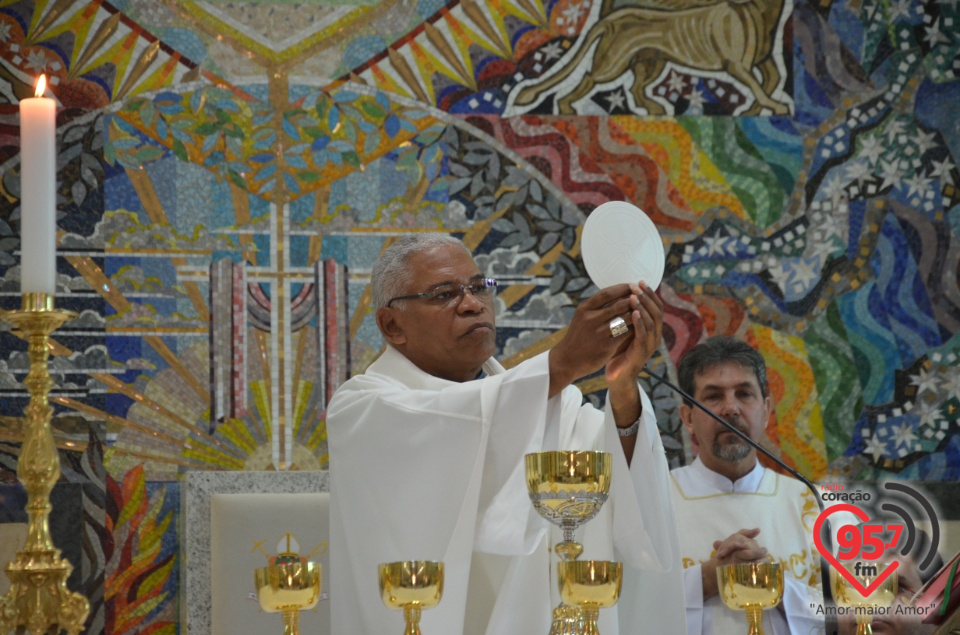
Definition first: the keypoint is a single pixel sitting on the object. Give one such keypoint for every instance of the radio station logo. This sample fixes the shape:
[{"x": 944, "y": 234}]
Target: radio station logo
[{"x": 864, "y": 542}]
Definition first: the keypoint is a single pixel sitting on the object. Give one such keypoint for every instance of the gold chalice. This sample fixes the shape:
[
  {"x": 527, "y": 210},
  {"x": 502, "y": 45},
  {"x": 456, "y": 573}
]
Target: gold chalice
[
  {"x": 288, "y": 588},
  {"x": 568, "y": 488},
  {"x": 751, "y": 587},
  {"x": 591, "y": 585},
  {"x": 411, "y": 585},
  {"x": 844, "y": 593}
]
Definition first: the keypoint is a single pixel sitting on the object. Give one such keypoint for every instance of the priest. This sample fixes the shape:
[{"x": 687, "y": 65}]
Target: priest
[
  {"x": 732, "y": 510},
  {"x": 427, "y": 450}
]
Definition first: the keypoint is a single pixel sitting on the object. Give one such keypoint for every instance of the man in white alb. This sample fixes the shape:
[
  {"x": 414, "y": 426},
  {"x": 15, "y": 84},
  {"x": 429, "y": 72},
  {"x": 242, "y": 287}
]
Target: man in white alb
[
  {"x": 730, "y": 509},
  {"x": 427, "y": 447}
]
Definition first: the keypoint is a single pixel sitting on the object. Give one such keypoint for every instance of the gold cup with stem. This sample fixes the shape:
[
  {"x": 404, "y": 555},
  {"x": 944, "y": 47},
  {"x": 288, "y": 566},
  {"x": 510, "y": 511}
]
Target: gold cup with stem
[
  {"x": 288, "y": 588},
  {"x": 590, "y": 585},
  {"x": 568, "y": 488},
  {"x": 752, "y": 587},
  {"x": 864, "y": 607},
  {"x": 411, "y": 585}
]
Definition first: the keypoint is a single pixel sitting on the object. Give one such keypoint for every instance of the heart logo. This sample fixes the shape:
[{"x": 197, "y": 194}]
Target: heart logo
[{"x": 862, "y": 515}]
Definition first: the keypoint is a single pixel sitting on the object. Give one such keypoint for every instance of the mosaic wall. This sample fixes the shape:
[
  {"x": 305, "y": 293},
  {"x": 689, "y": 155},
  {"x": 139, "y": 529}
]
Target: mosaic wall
[{"x": 228, "y": 171}]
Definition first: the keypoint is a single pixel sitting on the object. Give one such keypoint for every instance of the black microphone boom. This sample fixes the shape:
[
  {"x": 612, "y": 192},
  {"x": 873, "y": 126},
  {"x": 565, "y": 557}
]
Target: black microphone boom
[{"x": 830, "y": 616}]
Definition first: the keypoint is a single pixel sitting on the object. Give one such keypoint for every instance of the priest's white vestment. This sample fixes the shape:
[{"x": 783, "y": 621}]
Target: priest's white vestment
[
  {"x": 711, "y": 507},
  {"x": 422, "y": 468}
]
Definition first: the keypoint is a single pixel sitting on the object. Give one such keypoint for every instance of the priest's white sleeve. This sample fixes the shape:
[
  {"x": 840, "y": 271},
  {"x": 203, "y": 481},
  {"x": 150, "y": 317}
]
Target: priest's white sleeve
[
  {"x": 644, "y": 531},
  {"x": 520, "y": 423},
  {"x": 800, "y": 604},
  {"x": 693, "y": 598},
  {"x": 408, "y": 462}
]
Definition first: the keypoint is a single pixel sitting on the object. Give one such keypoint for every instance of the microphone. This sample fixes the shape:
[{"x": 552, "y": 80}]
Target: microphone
[{"x": 829, "y": 616}]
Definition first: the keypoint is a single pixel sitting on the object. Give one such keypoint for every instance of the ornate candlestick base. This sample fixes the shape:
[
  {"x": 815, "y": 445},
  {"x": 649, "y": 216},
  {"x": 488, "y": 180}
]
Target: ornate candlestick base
[{"x": 39, "y": 601}]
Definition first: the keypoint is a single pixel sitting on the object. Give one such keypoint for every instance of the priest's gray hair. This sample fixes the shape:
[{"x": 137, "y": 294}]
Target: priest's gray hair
[
  {"x": 391, "y": 274},
  {"x": 718, "y": 350}
]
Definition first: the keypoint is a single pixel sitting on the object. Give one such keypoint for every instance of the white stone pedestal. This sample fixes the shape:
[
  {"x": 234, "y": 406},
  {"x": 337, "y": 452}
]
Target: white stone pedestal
[{"x": 226, "y": 518}]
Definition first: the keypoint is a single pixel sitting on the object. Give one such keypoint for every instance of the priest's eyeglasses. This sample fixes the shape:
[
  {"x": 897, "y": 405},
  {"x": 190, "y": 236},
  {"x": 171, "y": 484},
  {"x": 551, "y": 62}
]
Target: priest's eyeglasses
[{"x": 453, "y": 293}]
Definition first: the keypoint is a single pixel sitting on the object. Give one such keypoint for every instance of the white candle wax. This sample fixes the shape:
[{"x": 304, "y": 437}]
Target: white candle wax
[{"x": 38, "y": 195}]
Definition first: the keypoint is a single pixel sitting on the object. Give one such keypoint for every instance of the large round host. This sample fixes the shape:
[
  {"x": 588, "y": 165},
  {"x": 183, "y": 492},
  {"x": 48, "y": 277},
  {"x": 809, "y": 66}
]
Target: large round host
[{"x": 621, "y": 244}]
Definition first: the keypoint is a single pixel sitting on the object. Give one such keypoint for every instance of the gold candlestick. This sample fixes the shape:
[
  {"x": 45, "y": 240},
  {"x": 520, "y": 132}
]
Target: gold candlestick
[{"x": 38, "y": 600}]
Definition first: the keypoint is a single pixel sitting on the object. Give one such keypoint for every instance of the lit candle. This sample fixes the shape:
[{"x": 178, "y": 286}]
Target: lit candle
[{"x": 38, "y": 193}]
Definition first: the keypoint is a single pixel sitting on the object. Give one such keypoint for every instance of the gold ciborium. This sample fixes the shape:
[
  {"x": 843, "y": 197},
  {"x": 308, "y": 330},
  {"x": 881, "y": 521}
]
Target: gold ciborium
[
  {"x": 411, "y": 585},
  {"x": 590, "y": 585},
  {"x": 568, "y": 488},
  {"x": 751, "y": 587},
  {"x": 844, "y": 593},
  {"x": 288, "y": 588}
]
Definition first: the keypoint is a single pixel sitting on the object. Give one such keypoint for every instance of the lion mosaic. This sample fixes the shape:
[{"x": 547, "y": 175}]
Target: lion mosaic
[{"x": 731, "y": 36}]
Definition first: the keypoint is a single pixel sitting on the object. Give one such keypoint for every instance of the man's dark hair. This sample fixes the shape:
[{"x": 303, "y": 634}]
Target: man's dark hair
[{"x": 718, "y": 350}]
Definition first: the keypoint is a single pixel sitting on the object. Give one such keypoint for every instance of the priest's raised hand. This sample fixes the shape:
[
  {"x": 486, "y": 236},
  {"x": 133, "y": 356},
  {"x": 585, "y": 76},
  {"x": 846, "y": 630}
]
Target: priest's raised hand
[{"x": 592, "y": 341}]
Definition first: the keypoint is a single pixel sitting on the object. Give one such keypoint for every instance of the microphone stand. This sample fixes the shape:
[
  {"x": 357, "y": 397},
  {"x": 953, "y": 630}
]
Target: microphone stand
[{"x": 830, "y": 619}]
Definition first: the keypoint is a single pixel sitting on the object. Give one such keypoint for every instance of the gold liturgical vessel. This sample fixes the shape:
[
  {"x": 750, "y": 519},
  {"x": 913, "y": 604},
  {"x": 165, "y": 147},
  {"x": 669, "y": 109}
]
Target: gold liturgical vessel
[
  {"x": 568, "y": 488},
  {"x": 38, "y": 601},
  {"x": 289, "y": 584},
  {"x": 751, "y": 587},
  {"x": 590, "y": 585},
  {"x": 844, "y": 593},
  {"x": 411, "y": 585}
]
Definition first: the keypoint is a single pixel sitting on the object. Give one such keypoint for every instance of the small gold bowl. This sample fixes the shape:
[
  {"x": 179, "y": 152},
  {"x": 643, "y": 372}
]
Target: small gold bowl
[
  {"x": 590, "y": 585},
  {"x": 411, "y": 583},
  {"x": 290, "y": 585},
  {"x": 751, "y": 587}
]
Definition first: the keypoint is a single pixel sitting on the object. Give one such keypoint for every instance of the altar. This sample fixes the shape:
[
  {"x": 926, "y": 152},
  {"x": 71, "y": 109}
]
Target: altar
[{"x": 231, "y": 523}]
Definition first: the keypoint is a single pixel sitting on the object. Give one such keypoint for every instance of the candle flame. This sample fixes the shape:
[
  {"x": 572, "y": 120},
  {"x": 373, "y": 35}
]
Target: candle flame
[{"x": 41, "y": 85}]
